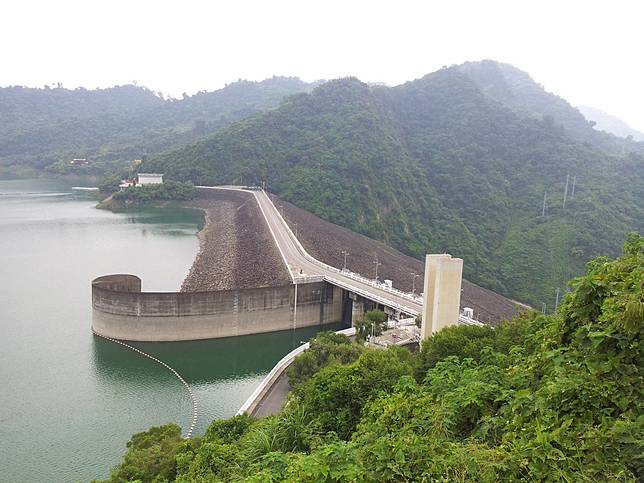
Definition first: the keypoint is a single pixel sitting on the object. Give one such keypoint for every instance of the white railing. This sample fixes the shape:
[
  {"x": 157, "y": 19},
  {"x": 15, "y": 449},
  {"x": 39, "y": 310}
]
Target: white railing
[
  {"x": 308, "y": 278},
  {"x": 416, "y": 299},
  {"x": 465, "y": 320},
  {"x": 258, "y": 394},
  {"x": 372, "y": 296},
  {"x": 381, "y": 286}
]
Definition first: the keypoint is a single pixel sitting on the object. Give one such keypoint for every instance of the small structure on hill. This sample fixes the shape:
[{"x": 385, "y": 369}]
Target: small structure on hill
[
  {"x": 150, "y": 178},
  {"x": 142, "y": 179},
  {"x": 442, "y": 295}
]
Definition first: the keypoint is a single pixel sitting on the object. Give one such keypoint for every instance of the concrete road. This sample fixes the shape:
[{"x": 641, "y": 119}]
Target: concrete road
[
  {"x": 273, "y": 402},
  {"x": 302, "y": 265}
]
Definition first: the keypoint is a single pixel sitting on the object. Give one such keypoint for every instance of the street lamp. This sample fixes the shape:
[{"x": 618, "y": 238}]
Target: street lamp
[
  {"x": 377, "y": 264},
  {"x": 346, "y": 254},
  {"x": 413, "y": 282}
]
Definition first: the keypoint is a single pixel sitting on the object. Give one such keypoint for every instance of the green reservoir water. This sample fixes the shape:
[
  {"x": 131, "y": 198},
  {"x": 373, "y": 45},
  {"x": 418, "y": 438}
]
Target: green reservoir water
[{"x": 69, "y": 401}]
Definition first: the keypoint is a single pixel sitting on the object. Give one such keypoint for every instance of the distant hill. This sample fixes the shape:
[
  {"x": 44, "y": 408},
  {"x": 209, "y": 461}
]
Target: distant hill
[
  {"x": 457, "y": 161},
  {"x": 611, "y": 124},
  {"x": 41, "y": 126},
  {"x": 516, "y": 89}
]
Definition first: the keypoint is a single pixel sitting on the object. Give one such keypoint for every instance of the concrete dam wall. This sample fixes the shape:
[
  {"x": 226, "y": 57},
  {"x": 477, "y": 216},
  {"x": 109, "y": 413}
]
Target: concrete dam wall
[{"x": 121, "y": 311}]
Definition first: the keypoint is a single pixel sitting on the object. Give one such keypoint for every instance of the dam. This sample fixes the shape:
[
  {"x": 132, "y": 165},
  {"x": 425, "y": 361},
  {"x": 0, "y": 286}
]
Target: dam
[
  {"x": 121, "y": 311},
  {"x": 304, "y": 291}
]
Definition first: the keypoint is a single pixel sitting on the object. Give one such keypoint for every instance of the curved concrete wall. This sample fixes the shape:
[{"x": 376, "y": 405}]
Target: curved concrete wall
[{"x": 121, "y": 311}]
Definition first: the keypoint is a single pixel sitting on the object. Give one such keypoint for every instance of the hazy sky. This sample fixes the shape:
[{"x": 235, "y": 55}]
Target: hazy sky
[{"x": 588, "y": 52}]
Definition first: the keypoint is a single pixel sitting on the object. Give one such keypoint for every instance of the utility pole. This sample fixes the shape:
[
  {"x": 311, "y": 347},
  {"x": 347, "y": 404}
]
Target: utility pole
[
  {"x": 346, "y": 254},
  {"x": 282, "y": 210},
  {"x": 566, "y": 191},
  {"x": 557, "y": 299},
  {"x": 543, "y": 308},
  {"x": 295, "y": 228},
  {"x": 377, "y": 264},
  {"x": 574, "y": 181},
  {"x": 413, "y": 282},
  {"x": 543, "y": 208}
]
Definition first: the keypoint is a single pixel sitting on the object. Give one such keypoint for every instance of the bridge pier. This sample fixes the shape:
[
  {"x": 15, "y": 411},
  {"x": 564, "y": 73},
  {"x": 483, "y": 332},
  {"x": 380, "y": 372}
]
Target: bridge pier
[{"x": 357, "y": 310}]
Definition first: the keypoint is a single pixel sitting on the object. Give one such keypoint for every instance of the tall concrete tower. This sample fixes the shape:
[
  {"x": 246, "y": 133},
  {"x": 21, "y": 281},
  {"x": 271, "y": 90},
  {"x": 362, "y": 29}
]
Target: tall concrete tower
[{"x": 442, "y": 296}]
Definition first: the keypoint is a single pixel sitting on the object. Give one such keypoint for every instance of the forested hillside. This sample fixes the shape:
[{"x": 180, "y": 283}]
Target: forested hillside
[
  {"x": 516, "y": 89},
  {"x": 441, "y": 164},
  {"x": 540, "y": 398},
  {"x": 39, "y": 127}
]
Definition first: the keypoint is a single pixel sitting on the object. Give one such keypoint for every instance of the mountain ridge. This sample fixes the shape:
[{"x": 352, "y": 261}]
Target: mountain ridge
[
  {"x": 612, "y": 124},
  {"x": 42, "y": 126},
  {"x": 434, "y": 165}
]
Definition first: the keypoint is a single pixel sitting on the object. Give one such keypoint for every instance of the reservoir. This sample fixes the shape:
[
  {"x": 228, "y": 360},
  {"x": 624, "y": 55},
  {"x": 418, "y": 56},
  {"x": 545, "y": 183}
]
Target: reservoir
[{"x": 69, "y": 401}]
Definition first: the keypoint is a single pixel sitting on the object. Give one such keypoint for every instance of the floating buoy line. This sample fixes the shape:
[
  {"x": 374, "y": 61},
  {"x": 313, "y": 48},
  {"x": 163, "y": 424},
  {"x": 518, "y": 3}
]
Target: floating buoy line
[{"x": 183, "y": 381}]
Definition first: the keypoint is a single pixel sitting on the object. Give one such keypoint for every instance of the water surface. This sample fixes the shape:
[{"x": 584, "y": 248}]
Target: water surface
[{"x": 69, "y": 400}]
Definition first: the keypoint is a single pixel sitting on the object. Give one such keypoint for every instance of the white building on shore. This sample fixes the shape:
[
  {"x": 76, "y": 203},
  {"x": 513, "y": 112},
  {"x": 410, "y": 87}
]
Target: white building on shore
[
  {"x": 142, "y": 179},
  {"x": 150, "y": 178}
]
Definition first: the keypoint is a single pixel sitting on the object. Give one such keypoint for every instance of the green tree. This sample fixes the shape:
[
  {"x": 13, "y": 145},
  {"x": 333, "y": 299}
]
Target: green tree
[
  {"x": 109, "y": 184},
  {"x": 373, "y": 323},
  {"x": 150, "y": 456},
  {"x": 325, "y": 349},
  {"x": 540, "y": 398}
]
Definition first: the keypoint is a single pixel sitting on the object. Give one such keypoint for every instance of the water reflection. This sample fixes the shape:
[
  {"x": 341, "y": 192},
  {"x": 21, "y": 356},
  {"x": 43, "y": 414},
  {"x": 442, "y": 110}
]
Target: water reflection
[{"x": 201, "y": 361}]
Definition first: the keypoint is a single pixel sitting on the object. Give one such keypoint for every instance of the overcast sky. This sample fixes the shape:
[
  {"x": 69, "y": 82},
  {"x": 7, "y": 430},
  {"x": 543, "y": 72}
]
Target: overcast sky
[{"x": 588, "y": 52}]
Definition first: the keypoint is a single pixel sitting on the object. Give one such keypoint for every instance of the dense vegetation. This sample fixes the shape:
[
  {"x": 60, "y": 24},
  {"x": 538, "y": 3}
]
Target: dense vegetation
[
  {"x": 541, "y": 398},
  {"x": 457, "y": 161},
  {"x": 167, "y": 191},
  {"x": 49, "y": 127}
]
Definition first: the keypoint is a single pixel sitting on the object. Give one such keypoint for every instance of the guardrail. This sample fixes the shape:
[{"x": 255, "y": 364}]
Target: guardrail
[
  {"x": 347, "y": 273},
  {"x": 258, "y": 394},
  {"x": 356, "y": 276},
  {"x": 464, "y": 319},
  {"x": 372, "y": 296},
  {"x": 308, "y": 278}
]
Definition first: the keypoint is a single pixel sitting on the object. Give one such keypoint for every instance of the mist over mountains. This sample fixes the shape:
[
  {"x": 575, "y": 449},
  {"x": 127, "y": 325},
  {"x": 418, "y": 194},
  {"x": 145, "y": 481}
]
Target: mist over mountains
[
  {"x": 611, "y": 124},
  {"x": 457, "y": 161}
]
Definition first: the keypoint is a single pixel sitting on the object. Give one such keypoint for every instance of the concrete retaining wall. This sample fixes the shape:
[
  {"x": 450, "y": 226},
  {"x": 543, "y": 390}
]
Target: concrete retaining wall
[
  {"x": 251, "y": 404},
  {"x": 121, "y": 311}
]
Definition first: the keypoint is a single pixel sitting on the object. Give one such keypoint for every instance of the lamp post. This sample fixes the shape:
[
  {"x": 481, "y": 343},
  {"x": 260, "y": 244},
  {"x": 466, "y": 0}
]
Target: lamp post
[
  {"x": 346, "y": 254},
  {"x": 377, "y": 264},
  {"x": 413, "y": 282}
]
